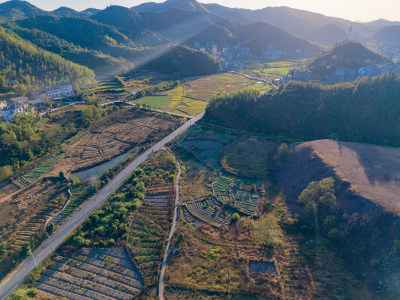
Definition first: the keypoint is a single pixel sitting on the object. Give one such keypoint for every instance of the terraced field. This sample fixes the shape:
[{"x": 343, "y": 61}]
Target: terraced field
[
  {"x": 92, "y": 274},
  {"x": 149, "y": 229},
  {"x": 77, "y": 198},
  {"x": 209, "y": 211},
  {"x": 115, "y": 135},
  {"x": 34, "y": 175}
]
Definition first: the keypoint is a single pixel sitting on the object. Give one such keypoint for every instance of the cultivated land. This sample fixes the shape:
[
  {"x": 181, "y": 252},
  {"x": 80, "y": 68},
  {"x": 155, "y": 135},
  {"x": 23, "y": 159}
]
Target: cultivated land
[
  {"x": 114, "y": 135},
  {"x": 193, "y": 95}
]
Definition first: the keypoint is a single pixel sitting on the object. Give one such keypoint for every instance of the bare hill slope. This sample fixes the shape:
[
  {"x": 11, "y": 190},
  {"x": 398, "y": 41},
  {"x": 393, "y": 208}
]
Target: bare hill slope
[{"x": 373, "y": 172}]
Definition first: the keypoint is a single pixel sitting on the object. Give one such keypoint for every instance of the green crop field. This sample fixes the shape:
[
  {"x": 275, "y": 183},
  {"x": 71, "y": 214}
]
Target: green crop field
[{"x": 157, "y": 102}]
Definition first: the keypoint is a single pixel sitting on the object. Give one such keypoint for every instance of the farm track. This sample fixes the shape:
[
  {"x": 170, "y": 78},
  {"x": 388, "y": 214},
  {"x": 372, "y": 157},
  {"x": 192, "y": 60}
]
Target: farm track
[{"x": 172, "y": 231}]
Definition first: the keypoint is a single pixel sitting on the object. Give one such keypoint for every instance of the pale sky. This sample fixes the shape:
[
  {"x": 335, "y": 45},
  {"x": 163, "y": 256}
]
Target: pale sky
[{"x": 356, "y": 10}]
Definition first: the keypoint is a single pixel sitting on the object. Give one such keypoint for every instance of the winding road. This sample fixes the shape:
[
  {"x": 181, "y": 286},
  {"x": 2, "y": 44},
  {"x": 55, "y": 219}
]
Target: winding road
[
  {"x": 172, "y": 231},
  {"x": 56, "y": 239}
]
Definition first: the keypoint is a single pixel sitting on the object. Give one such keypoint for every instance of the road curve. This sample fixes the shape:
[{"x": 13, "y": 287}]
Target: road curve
[
  {"x": 8, "y": 286},
  {"x": 172, "y": 231}
]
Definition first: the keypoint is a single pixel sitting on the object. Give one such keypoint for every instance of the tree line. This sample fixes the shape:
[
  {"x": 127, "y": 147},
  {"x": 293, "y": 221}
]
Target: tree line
[{"x": 365, "y": 111}]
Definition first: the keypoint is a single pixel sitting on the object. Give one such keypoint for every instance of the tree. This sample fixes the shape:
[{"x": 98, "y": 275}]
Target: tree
[
  {"x": 267, "y": 231},
  {"x": 181, "y": 237},
  {"x": 235, "y": 217},
  {"x": 50, "y": 229},
  {"x": 61, "y": 175},
  {"x": 319, "y": 198}
]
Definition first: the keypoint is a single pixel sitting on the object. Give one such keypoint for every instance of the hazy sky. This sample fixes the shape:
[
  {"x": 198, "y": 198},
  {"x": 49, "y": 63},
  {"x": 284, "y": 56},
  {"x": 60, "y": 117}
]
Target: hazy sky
[{"x": 363, "y": 10}]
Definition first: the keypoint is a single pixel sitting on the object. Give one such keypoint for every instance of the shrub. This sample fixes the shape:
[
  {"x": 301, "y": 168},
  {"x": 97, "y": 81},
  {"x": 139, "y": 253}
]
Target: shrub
[
  {"x": 5, "y": 172},
  {"x": 181, "y": 237},
  {"x": 235, "y": 217}
]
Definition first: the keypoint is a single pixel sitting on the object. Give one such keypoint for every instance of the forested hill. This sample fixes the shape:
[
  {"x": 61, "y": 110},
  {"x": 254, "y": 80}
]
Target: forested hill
[
  {"x": 34, "y": 68},
  {"x": 179, "y": 62},
  {"x": 347, "y": 54},
  {"x": 366, "y": 111}
]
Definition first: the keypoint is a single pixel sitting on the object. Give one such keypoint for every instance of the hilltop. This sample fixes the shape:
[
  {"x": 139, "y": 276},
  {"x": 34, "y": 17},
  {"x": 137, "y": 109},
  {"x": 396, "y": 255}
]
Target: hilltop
[
  {"x": 346, "y": 54},
  {"x": 190, "y": 5},
  {"x": 17, "y": 9},
  {"x": 388, "y": 35}
]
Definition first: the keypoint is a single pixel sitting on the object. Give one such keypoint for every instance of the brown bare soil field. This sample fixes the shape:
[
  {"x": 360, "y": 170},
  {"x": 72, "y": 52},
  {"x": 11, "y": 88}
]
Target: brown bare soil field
[
  {"x": 372, "y": 172},
  {"x": 92, "y": 274},
  {"x": 114, "y": 135}
]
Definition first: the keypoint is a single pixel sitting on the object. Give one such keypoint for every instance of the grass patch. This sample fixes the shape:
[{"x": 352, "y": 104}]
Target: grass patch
[{"x": 157, "y": 102}]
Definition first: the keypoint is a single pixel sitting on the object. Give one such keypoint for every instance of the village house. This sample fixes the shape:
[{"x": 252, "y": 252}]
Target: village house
[
  {"x": 38, "y": 105},
  {"x": 14, "y": 107},
  {"x": 60, "y": 91}
]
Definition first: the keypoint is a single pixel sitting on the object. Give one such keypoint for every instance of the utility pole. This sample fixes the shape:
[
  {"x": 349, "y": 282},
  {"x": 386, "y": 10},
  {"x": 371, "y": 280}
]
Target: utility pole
[
  {"x": 34, "y": 260},
  {"x": 51, "y": 244}
]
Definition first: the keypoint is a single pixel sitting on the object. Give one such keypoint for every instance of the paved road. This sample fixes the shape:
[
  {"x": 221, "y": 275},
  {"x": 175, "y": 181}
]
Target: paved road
[
  {"x": 65, "y": 230},
  {"x": 172, "y": 231}
]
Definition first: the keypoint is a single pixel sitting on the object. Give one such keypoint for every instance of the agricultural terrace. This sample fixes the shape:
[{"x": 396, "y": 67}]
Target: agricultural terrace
[
  {"x": 35, "y": 174},
  {"x": 194, "y": 95},
  {"x": 228, "y": 196},
  {"x": 23, "y": 218},
  {"x": 92, "y": 273},
  {"x": 114, "y": 135},
  {"x": 121, "y": 87},
  {"x": 136, "y": 219}
]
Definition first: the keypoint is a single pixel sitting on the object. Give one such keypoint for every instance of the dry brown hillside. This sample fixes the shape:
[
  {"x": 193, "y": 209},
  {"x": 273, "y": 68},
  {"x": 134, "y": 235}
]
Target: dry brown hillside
[
  {"x": 373, "y": 172},
  {"x": 367, "y": 187}
]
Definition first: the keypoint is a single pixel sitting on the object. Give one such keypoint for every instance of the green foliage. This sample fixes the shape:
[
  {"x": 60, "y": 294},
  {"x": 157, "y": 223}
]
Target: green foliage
[
  {"x": 181, "y": 237},
  {"x": 333, "y": 234},
  {"x": 91, "y": 113},
  {"x": 235, "y": 217},
  {"x": 50, "y": 228},
  {"x": 213, "y": 254},
  {"x": 25, "y": 138},
  {"x": 365, "y": 111},
  {"x": 319, "y": 198},
  {"x": 181, "y": 62},
  {"x": 33, "y": 68},
  {"x": 266, "y": 231},
  {"x": 5, "y": 172},
  {"x": 347, "y": 54}
]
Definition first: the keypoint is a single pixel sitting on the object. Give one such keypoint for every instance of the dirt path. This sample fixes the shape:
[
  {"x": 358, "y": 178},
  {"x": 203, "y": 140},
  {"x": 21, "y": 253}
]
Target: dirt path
[{"x": 172, "y": 231}]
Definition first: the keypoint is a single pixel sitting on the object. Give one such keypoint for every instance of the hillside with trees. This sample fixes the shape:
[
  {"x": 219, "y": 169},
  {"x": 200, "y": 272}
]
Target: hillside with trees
[
  {"x": 33, "y": 68},
  {"x": 365, "y": 111},
  {"x": 99, "y": 62},
  {"x": 19, "y": 10},
  {"x": 347, "y": 54},
  {"x": 181, "y": 62}
]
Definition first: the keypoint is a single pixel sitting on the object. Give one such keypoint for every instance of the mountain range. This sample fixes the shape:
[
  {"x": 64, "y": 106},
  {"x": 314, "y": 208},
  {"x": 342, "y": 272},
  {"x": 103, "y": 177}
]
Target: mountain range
[{"x": 112, "y": 40}]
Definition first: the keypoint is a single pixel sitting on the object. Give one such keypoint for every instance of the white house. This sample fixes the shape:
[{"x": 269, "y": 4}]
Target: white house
[
  {"x": 60, "y": 91},
  {"x": 15, "y": 107}
]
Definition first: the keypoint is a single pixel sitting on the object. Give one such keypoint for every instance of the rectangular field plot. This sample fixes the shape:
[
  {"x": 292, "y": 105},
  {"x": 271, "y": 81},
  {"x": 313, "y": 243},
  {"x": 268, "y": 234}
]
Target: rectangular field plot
[
  {"x": 92, "y": 274},
  {"x": 157, "y": 102},
  {"x": 262, "y": 267}
]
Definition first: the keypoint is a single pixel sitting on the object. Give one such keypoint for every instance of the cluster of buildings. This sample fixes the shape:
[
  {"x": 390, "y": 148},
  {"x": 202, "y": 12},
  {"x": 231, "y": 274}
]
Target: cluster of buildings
[
  {"x": 227, "y": 56},
  {"x": 16, "y": 106},
  {"x": 12, "y": 107},
  {"x": 59, "y": 91},
  {"x": 343, "y": 74}
]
